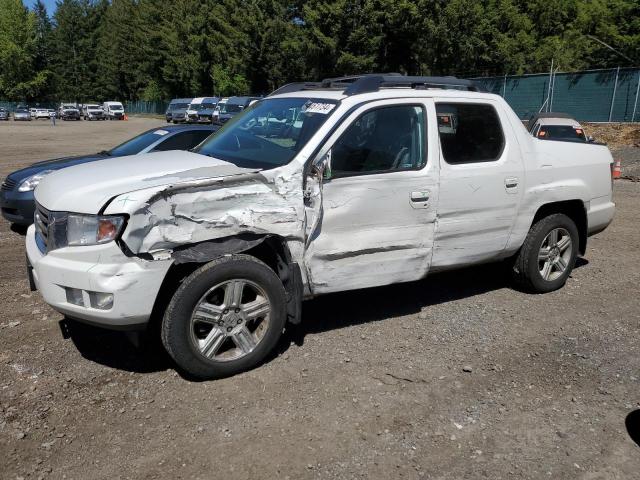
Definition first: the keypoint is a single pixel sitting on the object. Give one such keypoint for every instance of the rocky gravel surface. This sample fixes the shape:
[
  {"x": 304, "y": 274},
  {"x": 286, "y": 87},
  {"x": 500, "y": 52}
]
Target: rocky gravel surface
[{"x": 455, "y": 377}]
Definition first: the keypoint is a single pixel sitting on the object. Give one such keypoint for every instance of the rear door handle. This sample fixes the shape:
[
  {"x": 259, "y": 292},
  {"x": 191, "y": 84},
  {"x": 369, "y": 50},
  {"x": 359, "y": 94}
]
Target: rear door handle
[
  {"x": 420, "y": 199},
  {"x": 511, "y": 184}
]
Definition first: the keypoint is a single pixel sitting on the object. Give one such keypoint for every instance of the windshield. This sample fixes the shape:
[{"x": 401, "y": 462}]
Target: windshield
[
  {"x": 22, "y": 111},
  {"x": 68, "y": 107},
  {"x": 267, "y": 134},
  {"x": 562, "y": 132},
  {"x": 178, "y": 106},
  {"x": 198, "y": 107},
  {"x": 230, "y": 108},
  {"x": 139, "y": 143},
  {"x": 93, "y": 107},
  {"x": 115, "y": 107}
]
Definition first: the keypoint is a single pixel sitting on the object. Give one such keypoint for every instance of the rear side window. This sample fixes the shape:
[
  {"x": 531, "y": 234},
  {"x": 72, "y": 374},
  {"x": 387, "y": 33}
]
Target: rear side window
[
  {"x": 183, "y": 140},
  {"x": 469, "y": 133}
]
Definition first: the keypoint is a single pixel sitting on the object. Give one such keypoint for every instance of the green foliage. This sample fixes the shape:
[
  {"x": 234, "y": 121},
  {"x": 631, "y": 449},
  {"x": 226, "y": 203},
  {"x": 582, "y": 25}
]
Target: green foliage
[
  {"x": 154, "y": 49},
  {"x": 18, "y": 77}
]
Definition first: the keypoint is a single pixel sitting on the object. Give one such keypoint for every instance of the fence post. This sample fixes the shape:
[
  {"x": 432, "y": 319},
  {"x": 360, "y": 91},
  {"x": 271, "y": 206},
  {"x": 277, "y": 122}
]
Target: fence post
[
  {"x": 549, "y": 88},
  {"x": 613, "y": 97},
  {"x": 553, "y": 89},
  {"x": 504, "y": 87},
  {"x": 635, "y": 103}
]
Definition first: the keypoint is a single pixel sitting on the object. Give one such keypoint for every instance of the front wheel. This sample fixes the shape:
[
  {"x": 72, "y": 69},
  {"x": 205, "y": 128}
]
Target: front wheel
[
  {"x": 548, "y": 254},
  {"x": 225, "y": 318}
]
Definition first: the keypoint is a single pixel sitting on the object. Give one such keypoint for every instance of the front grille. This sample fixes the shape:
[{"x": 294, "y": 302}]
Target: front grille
[
  {"x": 41, "y": 221},
  {"x": 8, "y": 184}
]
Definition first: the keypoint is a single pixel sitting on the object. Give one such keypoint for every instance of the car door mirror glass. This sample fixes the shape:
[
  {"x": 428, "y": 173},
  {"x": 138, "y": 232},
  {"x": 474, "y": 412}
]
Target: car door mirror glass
[{"x": 322, "y": 166}]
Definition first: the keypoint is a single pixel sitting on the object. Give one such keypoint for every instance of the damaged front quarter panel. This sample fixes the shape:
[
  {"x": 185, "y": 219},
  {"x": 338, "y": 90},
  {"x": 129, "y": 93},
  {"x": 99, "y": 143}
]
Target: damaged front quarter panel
[{"x": 194, "y": 211}]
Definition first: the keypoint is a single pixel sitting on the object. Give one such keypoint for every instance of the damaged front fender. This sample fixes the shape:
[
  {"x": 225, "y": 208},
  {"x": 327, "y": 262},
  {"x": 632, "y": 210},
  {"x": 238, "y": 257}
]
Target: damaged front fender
[{"x": 186, "y": 213}]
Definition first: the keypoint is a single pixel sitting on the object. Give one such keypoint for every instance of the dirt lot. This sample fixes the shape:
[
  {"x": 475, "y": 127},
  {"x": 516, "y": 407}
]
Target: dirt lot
[
  {"x": 624, "y": 141},
  {"x": 458, "y": 376}
]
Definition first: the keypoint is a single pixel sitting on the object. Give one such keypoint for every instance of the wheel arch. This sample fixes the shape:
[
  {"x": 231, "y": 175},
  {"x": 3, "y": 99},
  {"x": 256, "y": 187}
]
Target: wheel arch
[
  {"x": 575, "y": 210},
  {"x": 270, "y": 249}
]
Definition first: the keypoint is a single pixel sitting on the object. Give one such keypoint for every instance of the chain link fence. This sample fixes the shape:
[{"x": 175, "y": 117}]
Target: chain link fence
[
  {"x": 590, "y": 96},
  {"x": 146, "y": 108}
]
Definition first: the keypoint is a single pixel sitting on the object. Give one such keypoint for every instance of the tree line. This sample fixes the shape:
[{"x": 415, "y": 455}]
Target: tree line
[{"x": 155, "y": 50}]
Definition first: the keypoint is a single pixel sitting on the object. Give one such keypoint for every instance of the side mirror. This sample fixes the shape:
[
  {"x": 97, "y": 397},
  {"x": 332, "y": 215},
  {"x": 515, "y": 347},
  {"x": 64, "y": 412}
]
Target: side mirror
[{"x": 322, "y": 166}]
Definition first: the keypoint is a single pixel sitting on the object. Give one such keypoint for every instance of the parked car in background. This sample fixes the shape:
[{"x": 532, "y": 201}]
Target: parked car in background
[
  {"x": 32, "y": 112},
  {"x": 177, "y": 110},
  {"x": 68, "y": 111},
  {"x": 216, "y": 111},
  {"x": 232, "y": 107},
  {"x": 21, "y": 114},
  {"x": 557, "y": 126},
  {"x": 4, "y": 114},
  {"x": 92, "y": 111},
  {"x": 113, "y": 110},
  {"x": 52, "y": 112},
  {"x": 42, "y": 113},
  {"x": 201, "y": 109},
  {"x": 225, "y": 241},
  {"x": 16, "y": 192}
]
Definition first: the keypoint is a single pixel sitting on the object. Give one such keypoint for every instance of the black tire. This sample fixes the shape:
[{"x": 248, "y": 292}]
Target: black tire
[
  {"x": 526, "y": 266},
  {"x": 176, "y": 324}
]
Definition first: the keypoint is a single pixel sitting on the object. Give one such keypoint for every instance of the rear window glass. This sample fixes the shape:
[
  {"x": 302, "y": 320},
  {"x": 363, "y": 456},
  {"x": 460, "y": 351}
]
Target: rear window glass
[{"x": 562, "y": 132}]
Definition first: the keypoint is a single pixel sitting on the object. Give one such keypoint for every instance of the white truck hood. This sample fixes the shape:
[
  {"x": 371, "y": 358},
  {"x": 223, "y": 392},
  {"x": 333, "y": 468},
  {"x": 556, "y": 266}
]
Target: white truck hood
[{"x": 86, "y": 188}]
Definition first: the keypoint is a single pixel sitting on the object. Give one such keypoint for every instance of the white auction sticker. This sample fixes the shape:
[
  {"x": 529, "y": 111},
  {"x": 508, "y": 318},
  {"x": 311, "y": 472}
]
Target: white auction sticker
[
  {"x": 315, "y": 107},
  {"x": 161, "y": 132}
]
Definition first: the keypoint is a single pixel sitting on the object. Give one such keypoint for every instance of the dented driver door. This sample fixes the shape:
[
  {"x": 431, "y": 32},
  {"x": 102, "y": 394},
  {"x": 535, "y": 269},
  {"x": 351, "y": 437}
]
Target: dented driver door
[{"x": 372, "y": 221}]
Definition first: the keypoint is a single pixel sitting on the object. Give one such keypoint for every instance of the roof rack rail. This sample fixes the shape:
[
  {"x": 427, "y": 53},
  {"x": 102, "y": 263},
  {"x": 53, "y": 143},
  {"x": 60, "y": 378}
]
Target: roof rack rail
[
  {"x": 295, "y": 87},
  {"x": 358, "y": 84}
]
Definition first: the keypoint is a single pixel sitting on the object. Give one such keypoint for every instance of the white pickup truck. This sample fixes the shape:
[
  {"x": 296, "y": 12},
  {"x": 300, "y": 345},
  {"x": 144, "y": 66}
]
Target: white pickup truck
[{"x": 380, "y": 179}]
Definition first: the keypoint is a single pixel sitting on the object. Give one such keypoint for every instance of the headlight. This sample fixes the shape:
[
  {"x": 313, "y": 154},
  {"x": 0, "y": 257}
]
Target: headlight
[
  {"x": 92, "y": 229},
  {"x": 32, "y": 182}
]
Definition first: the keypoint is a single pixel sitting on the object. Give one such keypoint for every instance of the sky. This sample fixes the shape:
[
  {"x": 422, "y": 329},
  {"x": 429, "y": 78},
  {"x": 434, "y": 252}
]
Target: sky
[{"x": 50, "y": 4}]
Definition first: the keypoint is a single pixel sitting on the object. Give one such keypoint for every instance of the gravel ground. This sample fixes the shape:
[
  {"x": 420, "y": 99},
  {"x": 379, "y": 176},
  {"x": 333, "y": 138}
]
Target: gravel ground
[{"x": 458, "y": 376}]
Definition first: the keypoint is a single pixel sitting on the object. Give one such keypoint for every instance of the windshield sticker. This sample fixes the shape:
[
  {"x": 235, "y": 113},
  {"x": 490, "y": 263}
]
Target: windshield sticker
[
  {"x": 322, "y": 108},
  {"x": 161, "y": 132}
]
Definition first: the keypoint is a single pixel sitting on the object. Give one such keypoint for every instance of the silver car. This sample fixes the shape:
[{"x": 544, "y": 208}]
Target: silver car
[
  {"x": 22, "y": 114},
  {"x": 4, "y": 114}
]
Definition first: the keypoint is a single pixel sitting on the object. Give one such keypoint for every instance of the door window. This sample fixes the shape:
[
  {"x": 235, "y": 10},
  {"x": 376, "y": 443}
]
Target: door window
[
  {"x": 183, "y": 140},
  {"x": 469, "y": 133},
  {"x": 381, "y": 140}
]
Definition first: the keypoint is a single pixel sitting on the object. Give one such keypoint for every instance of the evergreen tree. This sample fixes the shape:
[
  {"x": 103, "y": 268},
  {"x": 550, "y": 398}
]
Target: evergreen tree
[{"x": 19, "y": 78}]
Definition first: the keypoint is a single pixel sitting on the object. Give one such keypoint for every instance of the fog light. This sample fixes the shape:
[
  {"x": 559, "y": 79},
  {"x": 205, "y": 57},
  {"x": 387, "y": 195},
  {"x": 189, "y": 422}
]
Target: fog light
[
  {"x": 101, "y": 301},
  {"x": 74, "y": 296}
]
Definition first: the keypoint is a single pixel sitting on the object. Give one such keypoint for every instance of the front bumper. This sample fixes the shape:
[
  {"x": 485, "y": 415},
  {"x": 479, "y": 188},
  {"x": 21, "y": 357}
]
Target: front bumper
[
  {"x": 133, "y": 282},
  {"x": 17, "y": 207},
  {"x": 199, "y": 118}
]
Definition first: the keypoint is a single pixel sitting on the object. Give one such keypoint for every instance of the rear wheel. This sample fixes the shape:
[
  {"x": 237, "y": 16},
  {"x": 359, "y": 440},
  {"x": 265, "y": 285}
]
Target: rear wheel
[
  {"x": 225, "y": 318},
  {"x": 548, "y": 254}
]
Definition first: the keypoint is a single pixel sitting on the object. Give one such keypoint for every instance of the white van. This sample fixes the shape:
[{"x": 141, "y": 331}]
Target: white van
[{"x": 113, "y": 110}]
